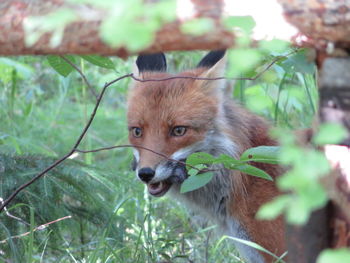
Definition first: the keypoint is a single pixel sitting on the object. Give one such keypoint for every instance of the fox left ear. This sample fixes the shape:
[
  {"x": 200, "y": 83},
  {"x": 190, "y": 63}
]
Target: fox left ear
[
  {"x": 215, "y": 62},
  {"x": 151, "y": 62},
  {"x": 211, "y": 58}
]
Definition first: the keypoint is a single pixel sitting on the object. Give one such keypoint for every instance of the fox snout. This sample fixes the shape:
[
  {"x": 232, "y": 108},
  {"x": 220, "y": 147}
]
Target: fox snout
[
  {"x": 146, "y": 174},
  {"x": 160, "y": 179},
  {"x": 171, "y": 171}
]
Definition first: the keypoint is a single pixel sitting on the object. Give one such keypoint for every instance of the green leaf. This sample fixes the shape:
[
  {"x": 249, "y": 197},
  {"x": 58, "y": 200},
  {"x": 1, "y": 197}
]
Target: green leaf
[
  {"x": 274, "y": 208},
  {"x": 242, "y": 60},
  {"x": 61, "y": 66},
  {"x": 330, "y": 133},
  {"x": 198, "y": 26},
  {"x": 341, "y": 255},
  {"x": 298, "y": 62},
  {"x": 257, "y": 100},
  {"x": 298, "y": 212},
  {"x": 274, "y": 45},
  {"x": 228, "y": 161},
  {"x": 133, "y": 23},
  {"x": 100, "y": 61},
  {"x": 194, "y": 171},
  {"x": 251, "y": 170},
  {"x": 245, "y": 23},
  {"x": 199, "y": 158},
  {"x": 54, "y": 23},
  {"x": 196, "y": 181},
  {"x": 262, "y": 154}
]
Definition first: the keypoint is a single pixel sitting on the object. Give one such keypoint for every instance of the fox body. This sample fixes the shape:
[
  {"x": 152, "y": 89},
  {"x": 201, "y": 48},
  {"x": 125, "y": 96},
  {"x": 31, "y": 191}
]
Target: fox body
[{"x": 180, "y": 116}]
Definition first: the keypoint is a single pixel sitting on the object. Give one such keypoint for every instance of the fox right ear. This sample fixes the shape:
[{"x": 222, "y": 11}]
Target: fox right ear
[{"x": 151, "y": 62}]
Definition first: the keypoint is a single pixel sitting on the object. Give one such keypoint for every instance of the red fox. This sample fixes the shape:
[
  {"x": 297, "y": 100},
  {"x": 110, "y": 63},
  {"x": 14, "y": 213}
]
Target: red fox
[{"x": 178, "y": 117}]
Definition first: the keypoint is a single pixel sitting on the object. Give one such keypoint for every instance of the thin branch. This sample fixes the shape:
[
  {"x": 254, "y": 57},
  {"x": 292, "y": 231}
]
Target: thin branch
[
  {"x": 41, "y": 227},
  {"x": 276, "y": 59},
  {"x": 12, "y": 216},
  {"x": 92, "y": 90},
  {"x": 56, "y": 163},
  {"x": 99, "y": 98},
  {"x": 147, "y": 149},
  {"x": 133, "y": 146}
]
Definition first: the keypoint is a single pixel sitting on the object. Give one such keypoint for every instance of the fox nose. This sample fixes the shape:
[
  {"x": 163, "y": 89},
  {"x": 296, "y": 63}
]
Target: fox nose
[{"x": 146, "y": 174}]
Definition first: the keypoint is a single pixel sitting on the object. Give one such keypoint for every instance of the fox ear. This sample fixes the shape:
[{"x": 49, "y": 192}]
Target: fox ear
[
  {"x": 211, "y": 58},
  {"x": 151, "y": 62},
  {"x": 215, "y": 62}
]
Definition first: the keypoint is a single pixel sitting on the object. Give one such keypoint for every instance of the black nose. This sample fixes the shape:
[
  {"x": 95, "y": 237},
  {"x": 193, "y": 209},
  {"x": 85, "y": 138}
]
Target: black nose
[{"x": 146, "y": 174}]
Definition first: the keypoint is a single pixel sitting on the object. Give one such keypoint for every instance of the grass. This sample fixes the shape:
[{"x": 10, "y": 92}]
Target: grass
[{"x": 113, "y": 218}]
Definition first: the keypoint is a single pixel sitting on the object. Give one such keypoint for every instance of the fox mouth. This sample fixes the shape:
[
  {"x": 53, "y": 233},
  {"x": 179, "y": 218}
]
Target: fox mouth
[
  {"x": 176, "y": 174},
  {"x": 159, "y": 189}
]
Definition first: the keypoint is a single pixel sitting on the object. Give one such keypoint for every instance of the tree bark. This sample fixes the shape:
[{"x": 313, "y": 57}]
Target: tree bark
[
  {"x": 324, "y": 23},
  {"x": 82, "y": 37}
]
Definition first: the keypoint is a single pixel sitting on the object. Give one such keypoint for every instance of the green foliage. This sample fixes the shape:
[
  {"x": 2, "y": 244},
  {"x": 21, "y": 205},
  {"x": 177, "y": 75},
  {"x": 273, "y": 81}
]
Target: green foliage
[
  {"x": 305, "y": 194},
  {"x": 274, "y": 45},
  {"x": 244, "y": 60},
  {"x": 252, "y": 170},
  {"x": 122, "y": 18},
  {"x": 262, "y": 154},
  {"x": 198, "y": 162},
  {"x": 61, "y": 66},
  {"x": 100, "y": 61},
  {"x": 197, "y": 26},
  {"x": 330, "y": 133},
  {"x": 195, "y": 181},
  {"x": 131, "y": 24},
  {"x": 298, "y": 63},
  {"x": 243, "y": 23},
  {"x": 341, "y": 255},
  {"x": 54, "y": 23}
]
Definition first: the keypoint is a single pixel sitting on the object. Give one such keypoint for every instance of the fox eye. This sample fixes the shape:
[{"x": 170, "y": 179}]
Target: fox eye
[
  {"x": 136, "y": 132},
  {"x": 178, "y": 131}
]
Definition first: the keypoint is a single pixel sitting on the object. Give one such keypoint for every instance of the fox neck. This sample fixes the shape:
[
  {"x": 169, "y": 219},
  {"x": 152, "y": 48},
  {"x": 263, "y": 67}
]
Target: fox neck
[{"x": 230, "y": 199}]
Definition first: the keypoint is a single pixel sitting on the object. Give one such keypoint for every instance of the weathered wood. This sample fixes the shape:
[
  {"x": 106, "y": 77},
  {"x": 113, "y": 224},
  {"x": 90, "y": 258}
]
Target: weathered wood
[
  {"x": 324, "y": 22},
  {"x": 82, "y": 37}
]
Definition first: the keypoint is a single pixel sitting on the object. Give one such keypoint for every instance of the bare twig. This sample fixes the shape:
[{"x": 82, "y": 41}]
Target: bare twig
[
  {"x": 99, "y": 98},
  {"x": 41, "y": 227},
  {"x": 219, "y": 78},
  {"x": 92, "y": 90},
  {"x": 147, "y": 149},
  {"x": 56, "y": 163},
  {"x": 126, "y": 146},
  {"x": 12, "y": 216}
]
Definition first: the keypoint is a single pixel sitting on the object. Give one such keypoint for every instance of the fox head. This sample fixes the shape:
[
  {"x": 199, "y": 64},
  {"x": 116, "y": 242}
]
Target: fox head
[{"x": 170, "y": 119}]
